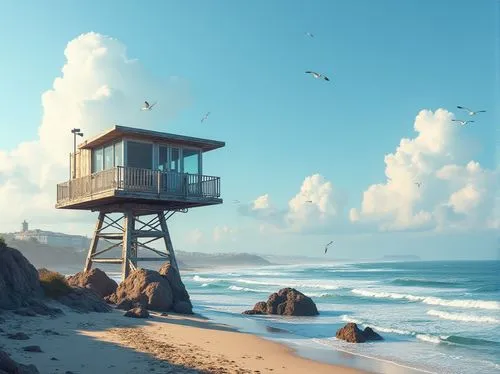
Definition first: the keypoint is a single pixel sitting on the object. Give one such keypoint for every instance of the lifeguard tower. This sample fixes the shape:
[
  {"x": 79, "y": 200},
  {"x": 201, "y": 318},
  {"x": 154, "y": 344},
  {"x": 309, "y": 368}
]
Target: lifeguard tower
[{"x": 143, "y": 177}]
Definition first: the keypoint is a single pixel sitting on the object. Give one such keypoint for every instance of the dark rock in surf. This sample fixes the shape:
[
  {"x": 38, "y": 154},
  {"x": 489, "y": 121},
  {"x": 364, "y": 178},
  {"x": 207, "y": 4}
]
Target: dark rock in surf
[
  {"x": 286, "y": 302},
  {"x": 352, "y": 334}
]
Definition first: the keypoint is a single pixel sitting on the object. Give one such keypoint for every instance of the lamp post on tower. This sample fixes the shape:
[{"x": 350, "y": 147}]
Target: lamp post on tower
[{"x": 75, "y": 132}]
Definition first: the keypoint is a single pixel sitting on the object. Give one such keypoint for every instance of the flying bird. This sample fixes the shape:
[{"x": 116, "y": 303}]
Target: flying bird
[
  {"x": 148, "y": 106},
  {"x": 309, "y": 35},
  {"x": 470, "y": 111},
  {"x": 318, "y": 75},
  {"x": 205, "y": 117},
  {"x": 308, "y": 201},
  {"x": 462, "y": 122},
  {"x": 326, "y": 246},
  {"x": 418, "y": 184},
  {"x": 236, "y": 201}
]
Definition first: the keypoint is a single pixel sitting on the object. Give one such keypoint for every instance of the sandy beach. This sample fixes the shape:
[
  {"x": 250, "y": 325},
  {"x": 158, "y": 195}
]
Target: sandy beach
[{"x": 112, "y": 343}]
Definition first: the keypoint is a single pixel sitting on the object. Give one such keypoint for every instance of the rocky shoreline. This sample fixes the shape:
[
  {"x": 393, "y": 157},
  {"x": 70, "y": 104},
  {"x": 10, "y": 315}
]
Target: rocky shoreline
[{"x": 28, "y": 292}]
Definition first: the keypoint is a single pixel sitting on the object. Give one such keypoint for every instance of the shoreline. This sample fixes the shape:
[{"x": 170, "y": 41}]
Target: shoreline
[
  {"x": 112, "y": 343},
  {"x": 315, "y": 352},
  {"x": 334, "y": 357}
]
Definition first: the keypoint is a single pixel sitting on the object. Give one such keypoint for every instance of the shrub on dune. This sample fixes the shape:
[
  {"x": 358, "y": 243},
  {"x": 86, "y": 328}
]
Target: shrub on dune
[{"x": 53, "y": 284}]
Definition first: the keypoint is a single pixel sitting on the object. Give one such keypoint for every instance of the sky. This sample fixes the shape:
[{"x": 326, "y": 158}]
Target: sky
[{"x": 354, "y": 146}]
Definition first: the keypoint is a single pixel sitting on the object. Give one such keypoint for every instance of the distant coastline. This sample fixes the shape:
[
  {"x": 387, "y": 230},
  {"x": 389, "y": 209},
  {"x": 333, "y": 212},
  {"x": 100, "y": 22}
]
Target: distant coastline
[{"x": 51, "y": 257}]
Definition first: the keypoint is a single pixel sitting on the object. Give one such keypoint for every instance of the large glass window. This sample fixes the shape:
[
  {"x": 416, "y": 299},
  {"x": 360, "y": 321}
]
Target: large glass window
[
  {"x": 191, "y": 161},
  {"x": 108, "y": 157},
  {"x": 163, "y": 158},
  {"x": 119, "y": 154},
  {"x": 105, "y": 158},
  {"x": 140, "y": 155},
  {"x": 175, "y": 161},
  {"x": 97, "y": 160}
]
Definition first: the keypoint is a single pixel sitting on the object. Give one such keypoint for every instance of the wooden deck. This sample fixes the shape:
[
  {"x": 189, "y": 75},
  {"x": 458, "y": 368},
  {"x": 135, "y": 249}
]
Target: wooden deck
[{"x": 166, "y": 190}]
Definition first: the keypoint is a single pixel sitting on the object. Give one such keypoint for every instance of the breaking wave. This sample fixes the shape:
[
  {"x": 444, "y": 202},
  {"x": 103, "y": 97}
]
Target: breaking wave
[
  {"x": 423, "y": 283},
  {"x": 430, "y": 300},
  {"x": 462, "y": 317}
]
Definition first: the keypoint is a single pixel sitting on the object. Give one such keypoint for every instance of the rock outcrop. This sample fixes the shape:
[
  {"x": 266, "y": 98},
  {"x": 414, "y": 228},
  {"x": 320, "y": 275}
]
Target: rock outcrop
[
  {"x": 18, "y": 279},
  {"x": 9, "y": 366},
  {"x": 181, "y": 300},
  {"x": 352, "y": 334},
  {"x": 286, "y": 302},
  {"x": 22, "y": 290},
  {"x": 144, "y": 287},
  {"x": 84, "y": 300},
  {"x": 32, "y": 308},
  {"x": 137, "y": 312},
  {"x": 96, "y": 280}
]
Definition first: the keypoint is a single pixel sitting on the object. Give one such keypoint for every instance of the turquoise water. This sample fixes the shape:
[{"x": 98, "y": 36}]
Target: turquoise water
[{"x": 441, "y": 317}]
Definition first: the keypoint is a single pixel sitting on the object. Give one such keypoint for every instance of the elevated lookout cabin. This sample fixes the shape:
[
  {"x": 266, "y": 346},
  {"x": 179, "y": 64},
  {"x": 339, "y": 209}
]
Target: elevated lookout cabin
[
  {"x": 135, "y": 173},
  {"x": 126, "y": 164}
]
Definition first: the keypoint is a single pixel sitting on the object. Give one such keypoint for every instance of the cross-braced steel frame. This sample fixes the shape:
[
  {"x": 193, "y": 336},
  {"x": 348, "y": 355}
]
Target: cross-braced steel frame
[{"x": 131, "y": 231}]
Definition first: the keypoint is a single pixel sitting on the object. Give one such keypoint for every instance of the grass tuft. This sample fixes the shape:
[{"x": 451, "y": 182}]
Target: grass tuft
[{"x": 54, "y": 284}]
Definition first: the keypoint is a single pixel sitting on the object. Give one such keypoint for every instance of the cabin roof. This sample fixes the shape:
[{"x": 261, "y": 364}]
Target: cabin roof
[{"x": 117, "y": 132}]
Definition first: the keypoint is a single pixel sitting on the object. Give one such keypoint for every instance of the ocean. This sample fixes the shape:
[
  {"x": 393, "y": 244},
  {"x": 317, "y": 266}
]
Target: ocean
[{"x": 437, "y": 317}]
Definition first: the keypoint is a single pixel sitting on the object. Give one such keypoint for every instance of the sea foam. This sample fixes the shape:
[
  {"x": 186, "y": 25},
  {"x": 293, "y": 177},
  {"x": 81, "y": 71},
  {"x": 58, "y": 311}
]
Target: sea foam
[
  {"x": 462, "y": 317},
  {"x": 430, "y": 300}
]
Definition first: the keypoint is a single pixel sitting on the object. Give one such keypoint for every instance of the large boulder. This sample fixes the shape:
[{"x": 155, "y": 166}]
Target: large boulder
[
  {"x": 9, "y": 366},
  {"x": 352, "y": 334},
  {"x": 259, "y": 308},
  {"x": 145, "y": 287},
  {"x": 84, "y": 300},
  {"x": 181, "y": 300},
  {"x": 286, "y": 302},
  {"x": 18, "y": 279},
  {"x": 96, "y": 280}
]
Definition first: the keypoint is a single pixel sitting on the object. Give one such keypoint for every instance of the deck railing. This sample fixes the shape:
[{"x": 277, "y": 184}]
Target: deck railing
[{"x": 140, "y": 180}]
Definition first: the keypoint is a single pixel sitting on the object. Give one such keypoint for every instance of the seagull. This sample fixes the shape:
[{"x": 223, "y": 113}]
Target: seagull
[
  {"x": 318, "y": 75},
  {"x": 205, "y": 117},
  {"x": 148, "y": 106},
  {"x": 326, "y": 246},
  {"x": 236, "y": 201},
  {"x": 418, "y": 184},
  {"x": 462, "y": 122},
  {"x": 309, "y": 35},
  {"x": 471, "y": 112}
]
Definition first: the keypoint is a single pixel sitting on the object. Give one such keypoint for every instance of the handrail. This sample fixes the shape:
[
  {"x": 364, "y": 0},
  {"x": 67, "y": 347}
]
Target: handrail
[{"x": 132, "y": 179}]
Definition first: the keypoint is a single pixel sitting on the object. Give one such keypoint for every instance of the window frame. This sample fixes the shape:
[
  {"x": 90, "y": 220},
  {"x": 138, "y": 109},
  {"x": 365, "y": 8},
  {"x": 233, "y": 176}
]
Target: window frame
[
  {"x": 200, "y": 156},
  {"x": 102, "y": 148},
  {"x": 154, "y": 162}
]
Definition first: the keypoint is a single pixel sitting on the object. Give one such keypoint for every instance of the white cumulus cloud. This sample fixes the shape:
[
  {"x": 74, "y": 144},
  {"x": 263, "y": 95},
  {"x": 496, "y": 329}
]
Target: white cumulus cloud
[
  {"x": 450, "y": 195},
  {"x": 195, "y": 236},
  {"x": 224, "y": 233},
  {"x": 99, "y": 86},
  {"x": 316, "y": 206},
  {"x": 453, "y": 192}
]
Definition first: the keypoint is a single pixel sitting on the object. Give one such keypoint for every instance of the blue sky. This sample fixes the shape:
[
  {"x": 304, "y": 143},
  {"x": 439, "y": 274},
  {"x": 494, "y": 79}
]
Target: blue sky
[{"x": 245, "y": 61}]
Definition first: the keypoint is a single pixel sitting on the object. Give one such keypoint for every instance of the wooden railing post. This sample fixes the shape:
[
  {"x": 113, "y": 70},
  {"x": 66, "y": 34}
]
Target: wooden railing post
[{"x": 158, "y": 181}]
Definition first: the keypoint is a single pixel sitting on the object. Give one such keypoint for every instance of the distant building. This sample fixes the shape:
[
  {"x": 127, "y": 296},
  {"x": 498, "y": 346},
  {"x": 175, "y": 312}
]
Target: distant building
[{"x": 55, "y": 239}]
